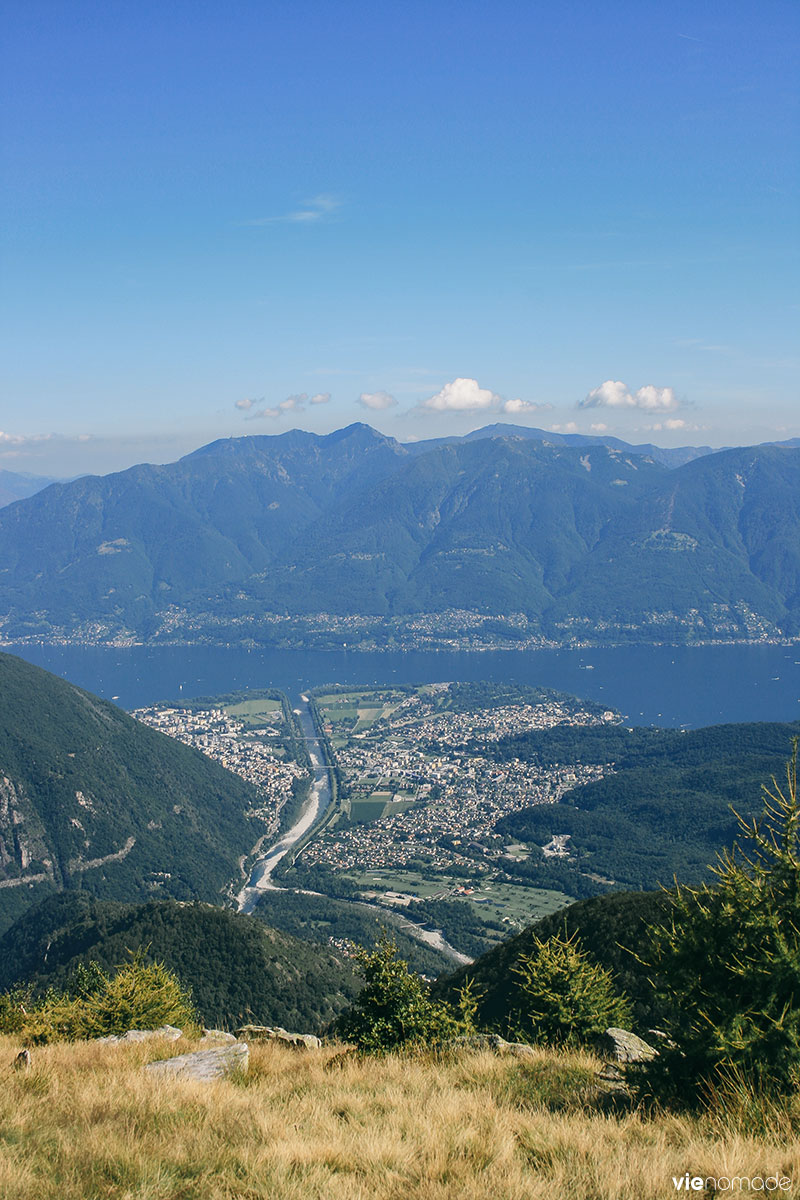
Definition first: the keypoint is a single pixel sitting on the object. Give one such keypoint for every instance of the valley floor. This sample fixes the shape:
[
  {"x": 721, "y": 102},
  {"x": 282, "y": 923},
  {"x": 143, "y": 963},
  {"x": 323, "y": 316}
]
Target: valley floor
[{"x": 86, "y": 1123}]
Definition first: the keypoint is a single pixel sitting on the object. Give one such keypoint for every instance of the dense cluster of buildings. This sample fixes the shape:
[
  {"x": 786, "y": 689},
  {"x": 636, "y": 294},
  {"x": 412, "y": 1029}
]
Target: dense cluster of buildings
[{"x": 422, "y": 755}]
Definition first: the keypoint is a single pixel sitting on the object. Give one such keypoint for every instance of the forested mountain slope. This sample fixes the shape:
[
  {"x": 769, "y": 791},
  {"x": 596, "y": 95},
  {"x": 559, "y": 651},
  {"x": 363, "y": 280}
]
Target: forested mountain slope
[{"x": 91, "y": 798}]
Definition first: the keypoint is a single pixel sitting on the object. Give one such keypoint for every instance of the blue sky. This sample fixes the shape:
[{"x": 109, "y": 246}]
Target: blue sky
[{"x": 227, "y": 219}]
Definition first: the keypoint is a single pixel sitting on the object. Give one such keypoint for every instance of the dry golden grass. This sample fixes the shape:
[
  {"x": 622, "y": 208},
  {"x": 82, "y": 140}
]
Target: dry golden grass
[{"x": 87, "y": 1123}]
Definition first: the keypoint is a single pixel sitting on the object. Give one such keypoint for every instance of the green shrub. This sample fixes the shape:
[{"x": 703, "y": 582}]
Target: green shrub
[
  {"x": 395, "y": 1010},
  {"x": 728, "y": 966},
  {"x": 139, "y": 995},
  {"x": 562, "y": 997}
]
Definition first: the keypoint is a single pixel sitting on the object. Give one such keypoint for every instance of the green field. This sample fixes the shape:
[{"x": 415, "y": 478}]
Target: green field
[{"x": 362, "y": 811}]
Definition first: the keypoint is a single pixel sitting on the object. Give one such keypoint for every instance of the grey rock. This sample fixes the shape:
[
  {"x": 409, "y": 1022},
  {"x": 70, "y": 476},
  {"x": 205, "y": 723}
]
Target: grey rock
[
  {"x": 217, "y": 1035},
  {"x": 205, "y": 1065},
  {"x": 168, "y": 1032},
  {"x": 625, "y": 1047},
  {"x": 266, "y": 1033}
]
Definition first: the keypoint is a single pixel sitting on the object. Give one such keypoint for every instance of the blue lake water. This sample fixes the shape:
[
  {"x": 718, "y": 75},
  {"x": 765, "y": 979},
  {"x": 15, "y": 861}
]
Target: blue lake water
[{"x": 651, "y": 685}]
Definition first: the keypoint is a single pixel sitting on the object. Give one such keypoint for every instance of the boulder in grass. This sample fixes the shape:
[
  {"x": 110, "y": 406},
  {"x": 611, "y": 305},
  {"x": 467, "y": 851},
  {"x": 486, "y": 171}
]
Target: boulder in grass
[
  {"x": 205, "y": 1065},
  {"x": 217, "y": 1036},
  {"x": 625, "y": 1047},
  {"x": 490, "y": 1041},
  {"x": 168, "y": 1032}
]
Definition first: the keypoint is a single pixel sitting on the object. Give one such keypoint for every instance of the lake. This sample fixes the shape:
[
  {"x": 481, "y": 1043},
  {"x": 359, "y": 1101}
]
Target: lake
[{"x": 651, "y": 685}]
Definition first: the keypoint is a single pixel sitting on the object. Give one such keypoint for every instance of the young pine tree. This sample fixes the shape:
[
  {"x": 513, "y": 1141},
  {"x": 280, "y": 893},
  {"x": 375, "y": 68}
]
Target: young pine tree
[
  {"x": 728, "y": 964},
  {"x": 562, "y": 996},
  {"x": 395, "y": 1011}
]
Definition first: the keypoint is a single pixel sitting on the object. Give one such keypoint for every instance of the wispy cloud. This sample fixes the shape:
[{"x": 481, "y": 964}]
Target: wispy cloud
[
  {"x": 615, "y": 394},
  {"x": 12, "y": 443},
  {"x": 316, "y": 209},
  {"x": 701, "y": 344},
  {"x": 377, "y": 401},
  {"x": 672, "y": 424},
  {"x": 518, "y": 408},
  {"x": 294, "y": 403}
]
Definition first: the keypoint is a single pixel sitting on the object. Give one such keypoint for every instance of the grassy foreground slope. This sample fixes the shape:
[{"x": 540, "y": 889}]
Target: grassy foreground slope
[
  {"x": 238, "y": 969},
  {"x": 91, "y": 799},
  {"x": 88, "y": 1122}
]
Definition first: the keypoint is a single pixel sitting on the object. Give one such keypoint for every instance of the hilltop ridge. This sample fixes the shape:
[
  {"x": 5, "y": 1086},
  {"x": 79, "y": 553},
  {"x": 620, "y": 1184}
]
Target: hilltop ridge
[{"x": 354, "y": 538}]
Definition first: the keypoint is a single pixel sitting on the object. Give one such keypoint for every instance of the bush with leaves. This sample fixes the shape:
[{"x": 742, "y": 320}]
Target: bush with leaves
[
  {"x": 395, "y": 1011},
  {"x": 562, "y": 996},
  {"x": 728, "y": 965},
  {"x": 139, "y": 995}
]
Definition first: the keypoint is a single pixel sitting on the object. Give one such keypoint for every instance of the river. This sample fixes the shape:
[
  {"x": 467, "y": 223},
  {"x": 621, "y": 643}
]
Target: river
[{"x": 320, "y": 797}]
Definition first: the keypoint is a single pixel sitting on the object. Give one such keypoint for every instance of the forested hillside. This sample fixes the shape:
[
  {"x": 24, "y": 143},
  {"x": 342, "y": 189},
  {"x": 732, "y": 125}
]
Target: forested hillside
[
  {"x": 666, "y": 809},
  {"x": 613, "y": 930},
  {"x": 91, "y": 799},
  {"x": 239, "y": 969}
]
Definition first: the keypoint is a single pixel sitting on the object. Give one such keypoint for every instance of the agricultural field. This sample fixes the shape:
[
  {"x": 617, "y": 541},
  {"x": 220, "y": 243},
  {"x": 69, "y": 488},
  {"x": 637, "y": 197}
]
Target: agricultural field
[
  {"x": 491, "y": 900},
  {"x": 257, "y": 712}
]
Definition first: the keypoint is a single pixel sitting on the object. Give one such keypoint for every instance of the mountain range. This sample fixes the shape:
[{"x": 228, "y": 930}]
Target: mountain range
[
  {"x": 15, "y": 485},
  {"x": 265, "y": 539}
]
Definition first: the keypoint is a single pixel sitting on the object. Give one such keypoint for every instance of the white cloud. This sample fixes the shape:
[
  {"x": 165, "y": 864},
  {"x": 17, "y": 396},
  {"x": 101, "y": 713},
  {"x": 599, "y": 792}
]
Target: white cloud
[
  {"x": 598, "y": 427},
  {"x": 295, "y": 403},
  {"x": 462, "y": 395},
  {"x": 610, "y": 394},
  {"x": 615, "y": 394},
  {"x": 376, "y": 400},
  {"x": 671, "y": 423},
  {"x": 569, "y": 427},
  {"x": 657, "y": 399},
  {"x": 320, "y": 398},
  {"x": 245, "y": 405},
  {"x": 520, "y": 407}
]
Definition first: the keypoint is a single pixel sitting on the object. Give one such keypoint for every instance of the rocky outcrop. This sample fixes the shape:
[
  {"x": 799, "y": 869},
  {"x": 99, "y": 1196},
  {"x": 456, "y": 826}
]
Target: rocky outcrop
[
  {"x": 205, "y": 1065},
  {"x": 266, "y": 1033}
]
